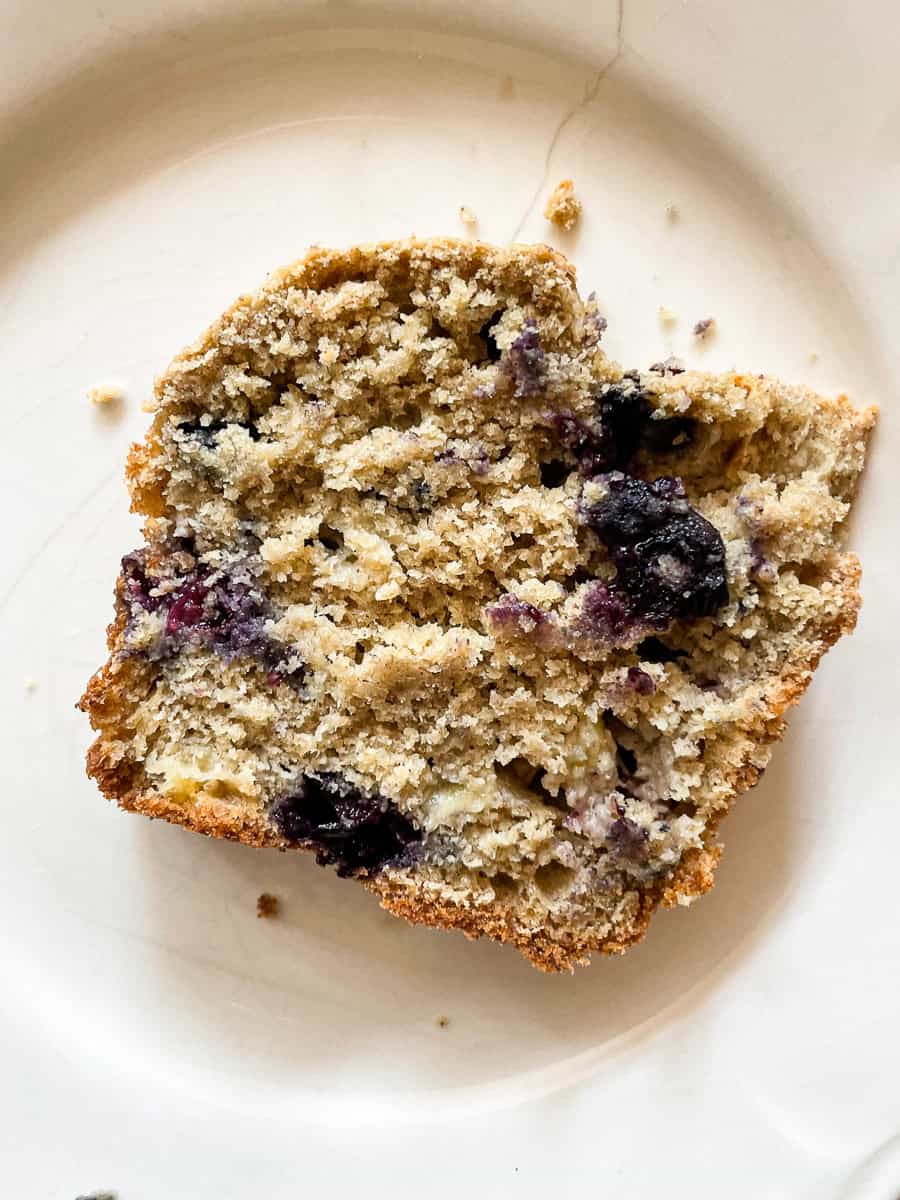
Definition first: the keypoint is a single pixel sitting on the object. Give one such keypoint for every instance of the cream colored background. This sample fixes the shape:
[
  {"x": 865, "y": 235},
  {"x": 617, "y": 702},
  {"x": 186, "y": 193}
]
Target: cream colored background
[{"x": 156, "y": 1038}]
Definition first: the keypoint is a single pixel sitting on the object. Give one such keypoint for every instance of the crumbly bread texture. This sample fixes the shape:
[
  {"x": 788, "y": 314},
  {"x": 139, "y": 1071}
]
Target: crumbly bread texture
[
  {"x": 563, "y": 208},
  {"x": 433, "y": 588}
]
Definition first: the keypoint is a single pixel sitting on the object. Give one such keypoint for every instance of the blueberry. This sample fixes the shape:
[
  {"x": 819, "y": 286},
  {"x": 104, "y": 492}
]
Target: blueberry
[
  {"x": 511, "y": 614},
  {"x": 640, "y": 682},
  {"x": 582, "y": 440},
  {"x": 187, "y": 609},
  {"x": 670, "y": 561},
  {"x": 621, "y": 410},
  {"x": 226, "y": 613},
  {"x": 669, "y": 435},
  {"x": 627, "y": 839},
  {"x": 605, "y": 615},
  {"x": 357, "y": 832},
  {"x": 621, "y": 425},
  {"x": 526, "y": 361}
]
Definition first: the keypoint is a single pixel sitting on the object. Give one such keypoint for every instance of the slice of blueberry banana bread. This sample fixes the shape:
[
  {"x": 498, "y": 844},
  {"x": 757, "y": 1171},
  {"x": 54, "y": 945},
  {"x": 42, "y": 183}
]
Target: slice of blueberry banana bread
[{"x": 432, "y": 588}]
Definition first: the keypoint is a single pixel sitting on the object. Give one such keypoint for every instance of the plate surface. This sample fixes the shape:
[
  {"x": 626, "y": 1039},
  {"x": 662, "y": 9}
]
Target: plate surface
[{"x": 157, "y": 1039}]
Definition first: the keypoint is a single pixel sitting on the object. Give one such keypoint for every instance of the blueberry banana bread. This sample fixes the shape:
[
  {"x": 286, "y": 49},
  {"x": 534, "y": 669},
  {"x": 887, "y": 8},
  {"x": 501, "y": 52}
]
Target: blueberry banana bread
[{"x": 435, "y": 590}]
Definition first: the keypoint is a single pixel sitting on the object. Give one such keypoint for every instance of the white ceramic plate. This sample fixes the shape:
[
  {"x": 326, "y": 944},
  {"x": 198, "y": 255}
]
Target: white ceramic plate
[{"x": 157, "y": 1039}]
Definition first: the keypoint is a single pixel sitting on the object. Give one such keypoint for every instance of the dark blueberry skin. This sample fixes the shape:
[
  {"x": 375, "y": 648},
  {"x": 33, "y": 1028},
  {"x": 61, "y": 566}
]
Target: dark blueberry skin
[
  {"x": 356, "y": 832},
  {"x": 622, "y": 424},
  {"x": 670, "y": 561}
]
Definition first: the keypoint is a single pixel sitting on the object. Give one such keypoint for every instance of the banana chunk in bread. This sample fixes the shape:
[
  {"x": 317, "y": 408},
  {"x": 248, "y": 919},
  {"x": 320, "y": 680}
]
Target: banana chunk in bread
[{"x": 434, "y": 589}]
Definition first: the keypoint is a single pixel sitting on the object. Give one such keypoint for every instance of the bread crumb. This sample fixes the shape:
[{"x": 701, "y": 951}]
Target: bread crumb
[
  {"x": 704, "y": 328},
  {"x": 813, "y": 356},
  {"x": 507, "y": 88},
  {"x": 563, "y": 208},
  {"x": 672, "y": 213},
  {"x": 669, "y": 366},
  {"x": 667, "y": 315},
  {"x": 106, "y": 393},
  {"x": 467, "y": 216},
  {"x": 443, "y": 1022},
  {"x": 267, "y": 905},
  {"x": 30, "y": 684}
]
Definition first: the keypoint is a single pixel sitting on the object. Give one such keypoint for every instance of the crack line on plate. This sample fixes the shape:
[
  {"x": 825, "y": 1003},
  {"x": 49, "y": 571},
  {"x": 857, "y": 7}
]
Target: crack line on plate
[{"x": 567, "y": 117}]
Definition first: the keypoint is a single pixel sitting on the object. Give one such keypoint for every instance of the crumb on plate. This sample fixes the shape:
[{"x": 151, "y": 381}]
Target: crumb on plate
[
  {"x": 667, "y": 315},
  {"x": 704, "y": 328},
  {"x": 467, "y": 216},
  {"x": 267, "y": 905},
  {"x": 443, "y": 1022},
  {"x": 672, "y": 213},
  {"x": 563, "y": 207},
  {"x": 106, "y": 393},
  {"x": 30, "y": 684}
]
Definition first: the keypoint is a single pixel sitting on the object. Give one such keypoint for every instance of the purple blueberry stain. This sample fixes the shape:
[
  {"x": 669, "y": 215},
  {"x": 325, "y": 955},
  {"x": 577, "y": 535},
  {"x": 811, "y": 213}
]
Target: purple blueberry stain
[
  {"x": 605, "y": 616},
  {"x": 357, "y": 832},
  {"x": 626, "y": 838},
  {"x": 225, "y": 611},
  {"x": 762, "y": 569},
  {"x": 187, "y": 607},
  {"x": 582, "y": 441},
  {"x": 511, "y": 615},
  {"x": 639, "y": 681},
  {"x": 526, "y": 361}
]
